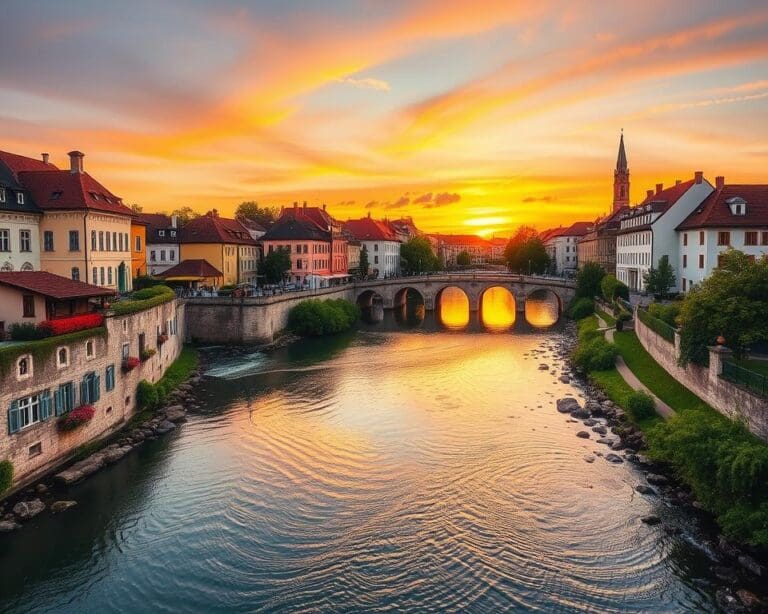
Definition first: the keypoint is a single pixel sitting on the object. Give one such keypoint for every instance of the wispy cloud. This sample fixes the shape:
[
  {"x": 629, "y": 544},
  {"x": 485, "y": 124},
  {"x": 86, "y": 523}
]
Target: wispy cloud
[{"x": 366, "y": 83}]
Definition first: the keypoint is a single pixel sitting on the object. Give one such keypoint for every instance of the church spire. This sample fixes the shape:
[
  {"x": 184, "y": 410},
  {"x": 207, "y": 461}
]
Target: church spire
[{"x": 621, "y": 178}]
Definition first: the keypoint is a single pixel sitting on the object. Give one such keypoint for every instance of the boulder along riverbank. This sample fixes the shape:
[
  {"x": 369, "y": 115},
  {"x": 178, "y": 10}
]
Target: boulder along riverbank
[{"x": 741, "y": 569}]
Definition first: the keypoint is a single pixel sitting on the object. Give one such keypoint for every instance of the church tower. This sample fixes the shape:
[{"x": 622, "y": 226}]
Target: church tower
[{"x": 621, "y": 178}]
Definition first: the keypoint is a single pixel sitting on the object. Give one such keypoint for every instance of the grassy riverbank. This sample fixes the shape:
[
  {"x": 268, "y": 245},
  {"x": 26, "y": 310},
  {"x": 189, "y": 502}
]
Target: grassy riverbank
[
  {"x": 725, "y": 466},
  {"x": 150, "y": 396}
]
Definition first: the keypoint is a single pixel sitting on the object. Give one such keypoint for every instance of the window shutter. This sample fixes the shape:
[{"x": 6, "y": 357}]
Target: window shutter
[
  {"x": 45, "y": 405},
  {"x": 84, "y": 392},
  {"x": 58, "y": 402},
  {"x": 13, "y": 417},
  {"x": 71, "y": 392},
  {"x": 96, "y": 386}
]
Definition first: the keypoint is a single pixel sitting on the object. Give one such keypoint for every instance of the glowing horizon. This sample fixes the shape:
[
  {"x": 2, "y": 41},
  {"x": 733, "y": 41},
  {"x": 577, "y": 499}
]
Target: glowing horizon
[{"x": 472, "y": 118}]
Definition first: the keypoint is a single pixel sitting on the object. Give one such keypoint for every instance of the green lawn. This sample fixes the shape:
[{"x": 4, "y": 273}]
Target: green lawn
[
  {"x": 609, "y": 319},
  {"x": 653, "y": 375}
]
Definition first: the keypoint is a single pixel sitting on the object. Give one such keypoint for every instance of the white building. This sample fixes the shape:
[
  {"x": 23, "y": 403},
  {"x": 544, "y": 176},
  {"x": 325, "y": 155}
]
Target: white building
[
  {"x": 162, "y": 242},
  {"x": 562, "y": 245},
  {"x": 648, "y": 230},
  {"x": 732, "y": 216},
  {"x": 380, "y": 242}
]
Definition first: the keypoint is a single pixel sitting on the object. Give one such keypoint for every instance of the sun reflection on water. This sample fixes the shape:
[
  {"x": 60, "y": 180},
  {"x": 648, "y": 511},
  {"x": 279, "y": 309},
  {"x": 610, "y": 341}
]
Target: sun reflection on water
[{"x": 498, "y": 309}]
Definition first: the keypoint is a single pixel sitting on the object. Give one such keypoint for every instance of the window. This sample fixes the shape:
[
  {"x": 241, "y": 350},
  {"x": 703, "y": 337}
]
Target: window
[
  {"x": 36, "y": 449},
  {"x": 152, "y": 255},
  {"x": 138, "y": 244},
  {"x": 114, "y": 241},
  {"x": 724, "y": 238},
  {"x": 48, "y": 240},
  {"x": 701, "y": 237},
  {"x": 750, "y": 237},
  {"x": 162, "y": 255},
  {"x": 101, "y": 275},
  {"x": 25, "y": 240},
  {"x": 74, "y": 241},
  {"x": 5, "y": 240},
  {"x": 19, "y": 198},
  {"x": 125, "y": 325},
  {"x": 28, "y": 411},
  {"x": 95, "y": 275},
  {"x": 75, "y": 273},
  {"x": 685, "y": 260},
  {"x": 701, "y": 261},
  {"x": 28, "y": 304},
  {"x": 90, "y": 388},
  {"x": 64, "y": 399},
  {"x": 2, "y": 195},
  {"x": 101, "y": 240},
  {"x": 109, "y": 276},
  {"x": 24, "y": 367},
  {"x": 109, "y": 242},
  {"x": 126, "y": 350},
  {"x": 375, "y": 260},
  {"x": 764, "y": 238},
  {"x": 93, "y": 240},
  {"x": 173, "y": 233},
  {"x": 109, "y": 378},
  {"x": 89, "y": 349},
  {"x": 171, "y": 255},
  {"x": 161, "y": 233},
  {"x": 62, "y": 357}
]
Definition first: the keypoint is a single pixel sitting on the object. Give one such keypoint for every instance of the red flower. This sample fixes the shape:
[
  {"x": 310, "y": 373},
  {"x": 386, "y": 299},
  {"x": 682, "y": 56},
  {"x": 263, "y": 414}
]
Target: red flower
[
  {"x": 78, "y": 416},
  {"x": 130, "y": 363},
  {"x": 62, "y": 326}
]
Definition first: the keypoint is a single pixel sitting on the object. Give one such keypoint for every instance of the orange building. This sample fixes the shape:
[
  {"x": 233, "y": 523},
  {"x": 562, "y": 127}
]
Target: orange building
[{"x": 138, "y": 247}]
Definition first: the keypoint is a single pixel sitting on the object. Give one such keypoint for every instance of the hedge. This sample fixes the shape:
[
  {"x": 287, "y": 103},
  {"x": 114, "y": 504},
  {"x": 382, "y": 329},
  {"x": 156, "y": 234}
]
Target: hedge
[
  {"x": 150, "y": 396},
  {"x": 132, "y": 305},
  {"x": 658, "y": 326}
]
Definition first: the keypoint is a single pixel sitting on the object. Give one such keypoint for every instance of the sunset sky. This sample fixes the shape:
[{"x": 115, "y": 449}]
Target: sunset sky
[{"x": 470, "y": 116}]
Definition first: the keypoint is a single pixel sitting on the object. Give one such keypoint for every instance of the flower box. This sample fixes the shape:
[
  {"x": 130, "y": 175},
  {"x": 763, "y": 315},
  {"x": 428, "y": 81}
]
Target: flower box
[
  {"x": 130, "y": 363},
  {"x": 76, "y": 418},
  {"x": 162, "y": 339},
  {"x": 147, "y": 353},
  {"x": 72, "y": 324}
]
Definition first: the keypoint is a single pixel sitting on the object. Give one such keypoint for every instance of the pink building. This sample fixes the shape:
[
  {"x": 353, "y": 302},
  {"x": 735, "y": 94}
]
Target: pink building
[{"x": 314, "y": 240}]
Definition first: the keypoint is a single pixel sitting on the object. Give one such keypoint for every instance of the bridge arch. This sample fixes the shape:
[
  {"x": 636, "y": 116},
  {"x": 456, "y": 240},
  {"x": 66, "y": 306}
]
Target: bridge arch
[
  {"x": 497, "y": 307},
  {"x": 453, "y": 305},
  {"x": 543, "y": 307},
  {"x": 401, "y": 295},
  {"x": 367, "y": 297}
]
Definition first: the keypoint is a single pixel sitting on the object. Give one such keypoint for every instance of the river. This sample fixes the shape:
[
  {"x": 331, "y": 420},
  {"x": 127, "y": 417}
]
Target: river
[{"x": 416, "y": 464}]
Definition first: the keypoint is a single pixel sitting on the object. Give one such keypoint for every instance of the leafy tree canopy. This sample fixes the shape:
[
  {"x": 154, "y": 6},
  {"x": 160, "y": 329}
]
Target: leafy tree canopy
[
  {"x": 365, "y": 265},
  {"x": 184, "y": 214},
  {"x": 588, "y": 280},
  {"x": 658, "y": 281},
  {"x": 525, "y": 252},
  {"x": 732, "y": 302},
  {"x": 417, "y": 256},
  {"x": 264, "y": 216},
  {"x": 463, "y": 258},
  {"x": 275, "y": 265}
]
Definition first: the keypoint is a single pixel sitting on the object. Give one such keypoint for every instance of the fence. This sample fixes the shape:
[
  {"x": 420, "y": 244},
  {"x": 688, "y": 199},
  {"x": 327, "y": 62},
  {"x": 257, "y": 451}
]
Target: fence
[
  {"x": 751, "y": 380},
  {"x": 658, "y": 326}
]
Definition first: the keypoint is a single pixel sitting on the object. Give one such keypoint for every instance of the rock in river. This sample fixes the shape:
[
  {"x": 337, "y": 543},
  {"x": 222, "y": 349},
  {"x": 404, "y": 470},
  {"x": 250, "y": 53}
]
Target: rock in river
[
  {"x": 567, "y": 404},
  {"x": 6, "y": 526},
  {"x": 656, "y": 479},
  {"x": 28, "y": 509},
  {"x": 583, "y": 434},
  {"x": 175, "y": 413},
  {"x": 651, "y": 520},
  {"x": 62, "y": 506},
  {"x": 164, "y": 427},
  {"x": 644, "y": 489},
  {"x": 614, "y": 458}
]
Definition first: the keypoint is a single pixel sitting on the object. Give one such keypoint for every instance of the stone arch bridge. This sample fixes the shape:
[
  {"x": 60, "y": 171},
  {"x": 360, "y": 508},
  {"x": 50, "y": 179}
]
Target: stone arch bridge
[{"x": 393, "y": 291}]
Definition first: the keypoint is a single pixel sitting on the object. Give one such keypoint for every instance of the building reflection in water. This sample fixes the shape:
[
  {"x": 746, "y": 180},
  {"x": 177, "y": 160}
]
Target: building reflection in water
[
  {"x": 497, "y": 309},
  {"x": 411, "y": 313},
  {"x": 453, "y": 308},
  {"x": 542, "y": 309}
]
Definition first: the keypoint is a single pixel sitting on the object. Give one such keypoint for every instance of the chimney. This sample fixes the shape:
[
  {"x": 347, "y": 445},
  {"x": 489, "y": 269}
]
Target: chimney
[
  {"x": 648, "y": 193},
  {"x": 174, "y": 221},
  {"x": 699, "y": 176},
  {"x": 295, "y": 205},
  {"x": 719, "y": 182},
  {"x": 659, "y": 188},
  {"x": 305, "y": 204},
  {"x": 323, "y": 206},
  {"x": 45, "y": 157},
  {"x": 678, "y": 181},
  {"x": 369, "y": 215},
  {"x": 76, "y": 161}
]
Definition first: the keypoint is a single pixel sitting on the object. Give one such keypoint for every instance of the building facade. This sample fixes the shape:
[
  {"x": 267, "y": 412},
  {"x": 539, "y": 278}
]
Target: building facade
[
  {"x": 733, "y": 216},
  {"x": 19, "y": 222},
  {"x": 162, "y": 249},
  {"x": 138, "y": 247},
  {"x": 648, "y": 230},
  {"x": 380, "y": 242},
  {"x": 450, "y": 246}
]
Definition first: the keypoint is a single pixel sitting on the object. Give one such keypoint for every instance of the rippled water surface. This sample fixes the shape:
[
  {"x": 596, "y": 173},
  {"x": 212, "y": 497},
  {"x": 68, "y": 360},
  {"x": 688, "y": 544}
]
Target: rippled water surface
[{"x": 402, "y": 470}]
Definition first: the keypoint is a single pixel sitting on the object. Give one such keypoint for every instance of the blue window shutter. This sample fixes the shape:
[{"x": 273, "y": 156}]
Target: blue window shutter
[
  {"x": 13, "y": 417},
  {"x": 84, "y": 392},
  {"x": 45, "y": 405},
  {"x": 110, "y": 378},
  {"x": 58, "y": 401},
  {"x": 71, "y": 390},
  {"x": 96, "y": 386}
]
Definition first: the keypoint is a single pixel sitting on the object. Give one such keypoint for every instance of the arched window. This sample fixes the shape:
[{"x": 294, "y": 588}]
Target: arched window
[
  {"x": 7, "y": 267},
  {"x": 24, "y": 367},
  {"x": 62, "y": 357},
  {"x": 76, "y": 273},
  {"x": 27, "y": 266},
  {"x": 89, "y": 353}
]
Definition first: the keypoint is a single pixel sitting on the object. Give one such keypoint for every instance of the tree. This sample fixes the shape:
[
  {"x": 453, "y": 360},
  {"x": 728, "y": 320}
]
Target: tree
[
  {"x": 525, "y": 252},
  {"x": 264, "y": 216},
  {"x": 588, "y": 280},
  {"x": 136, "y": 208},
  {"x": 275, "y": 265},
  {"x": 613, "y": 288},
  {"x": 365, "y": 265},
  {"x": 417, "y": 256},
  {"x": 658, "y": 281},
  {"x": 731, "y": 302},
  {"x": 184, "y": 214},
  {"x": 463, "y": 258}
]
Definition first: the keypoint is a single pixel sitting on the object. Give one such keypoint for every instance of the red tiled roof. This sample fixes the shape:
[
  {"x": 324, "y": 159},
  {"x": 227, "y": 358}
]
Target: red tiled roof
[
  {"x": 54, "y": 189},
  {"x": 18, "y": 164},
  {"x": 577, "y": 229},
  {"x": 368, "y": 229},
  {"x": 54, "y": 286},
  {"x": 715, "y": 210},
  {"x": 192, "y": 268},
  {"x": 551, "y": 233},
  {"x": 210, "y": 228},
  {"x": 669, "y": 196}
]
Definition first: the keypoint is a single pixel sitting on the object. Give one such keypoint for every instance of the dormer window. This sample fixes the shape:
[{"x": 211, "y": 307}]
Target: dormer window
[
  {"x": 2, "y": 195},
  {"x": 20, "y": 198},
  {"x": 161, "y": 233},
  {"x": 56, "y": 195},
  {"x": 173, "y": 233},
  {"x": 94, "y": 196},
  {"x": 737, "y": 205}
]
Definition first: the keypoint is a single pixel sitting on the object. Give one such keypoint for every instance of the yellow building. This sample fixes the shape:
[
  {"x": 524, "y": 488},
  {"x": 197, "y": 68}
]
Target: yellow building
[
  {"x": 221, "y": 242},
  {"x": 85, "y": 228},
  {"x": 138, "y": 248}
]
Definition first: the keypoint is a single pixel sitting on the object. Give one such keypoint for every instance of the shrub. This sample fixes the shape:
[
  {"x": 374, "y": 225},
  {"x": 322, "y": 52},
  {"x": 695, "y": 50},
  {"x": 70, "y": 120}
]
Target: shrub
[
  {"x": 594, "y": 355},
  {"x": 151, "y": 292},
  {"x": 641, "y": 405},
  {"x": 72, "y": 324},
  {"x": 146, "y": 395},
  {"x": 314, "y": 318},
  {"x": 159, "y": 295},
  {"x": 581, "y": 308},
  {"x": 77, "y": 417},
  {"x": 6, "y": 475},
  {"x": 587, "y": 329},
  {"x": 27, "y": 332},
  {"x": 147, "y": 353},
  {"x": 588, "y": 280},
  {"x": 666, "y": 312},
  {"x": 146, "y": 281}
]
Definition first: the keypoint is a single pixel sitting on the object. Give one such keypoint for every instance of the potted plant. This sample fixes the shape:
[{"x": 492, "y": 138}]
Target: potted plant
[
  {"x": 77, "y": 417},
  {"x": 130, "y": 363},
  {"x": 162, "y": 338},
  {"x": 147, "y": 353}
]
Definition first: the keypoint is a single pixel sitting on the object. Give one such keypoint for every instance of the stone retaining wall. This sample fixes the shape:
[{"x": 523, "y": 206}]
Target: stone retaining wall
[{"x": 729, "y": 399}]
